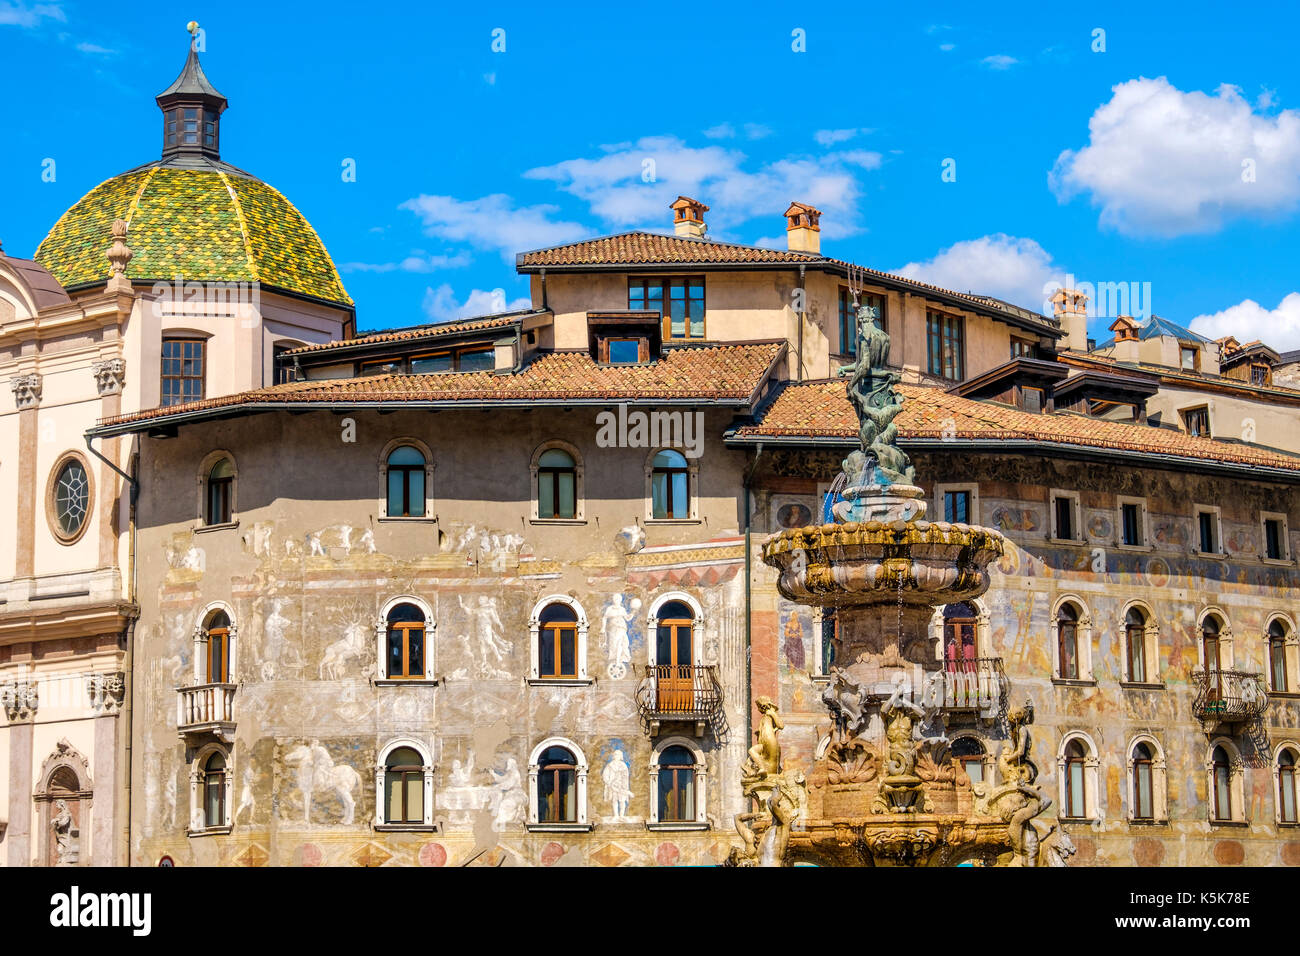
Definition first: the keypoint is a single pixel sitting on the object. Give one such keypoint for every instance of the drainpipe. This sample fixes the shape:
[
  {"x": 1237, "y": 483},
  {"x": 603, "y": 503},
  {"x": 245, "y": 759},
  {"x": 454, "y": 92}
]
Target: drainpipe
[
  {"x": 802, "y": 317},
  {"x": 749, "y": 672},
  {"x": 542, "y": 272}
]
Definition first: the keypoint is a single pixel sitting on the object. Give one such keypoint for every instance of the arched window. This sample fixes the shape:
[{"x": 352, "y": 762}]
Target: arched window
[
  {"x": 557, "y": 786},
  {"x": 1135, "y": 631},
  {"x": 405, "y": 627},
  {"x": 676, "y": 785},
  {"x": 406, "y": 472},
  {"x": 214, "y": 790},
  {"x": 675, "y": 657},
  {"x": 1143, "y": 783},
  {"x": 404, "y": 787},
  {"x": 1067, "y": 642},
  {"x": 670, "y": 485},
  {"x": 1076, "y": 764},
  {"x": 64, "y": 808},
  {"x": 557, "y": 484},
  {"x": 1286, "y": 791},
  {"x": 1076, "y": 795},
  {"x": 1278, "y": 676},
  {"x": 217, "y": 656},
  {"x": 221, "y": 486},
  {"x": 1223, "y": 804},
  {"x": 959, "y": 651},
  {"x": 557, "y": 644},
  {"x": 968, "y": 753}
]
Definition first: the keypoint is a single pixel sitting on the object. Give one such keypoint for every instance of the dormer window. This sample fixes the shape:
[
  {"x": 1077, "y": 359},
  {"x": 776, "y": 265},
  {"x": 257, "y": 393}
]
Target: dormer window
[
  {"x": 623, "y": 338},
  {"x": 624, "y": 351},
  {"x": 1189, "y": 358}
]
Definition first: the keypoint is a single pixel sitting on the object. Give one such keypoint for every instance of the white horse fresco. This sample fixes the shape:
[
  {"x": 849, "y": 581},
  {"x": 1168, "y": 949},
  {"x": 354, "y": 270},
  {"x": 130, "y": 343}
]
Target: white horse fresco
[
  {"x": 318, "y": 772},
  {"x": 351, "y": 647}
]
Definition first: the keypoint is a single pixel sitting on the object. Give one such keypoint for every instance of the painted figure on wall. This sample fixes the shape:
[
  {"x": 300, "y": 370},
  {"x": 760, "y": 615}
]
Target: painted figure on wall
[
  {"x": 487, "y": 630},
  {"x": 618, "y": 790},
  {"x": 614, "y": 631},
  {"x": 794, "y": 641},
  {"x": 317, "y": 772}
]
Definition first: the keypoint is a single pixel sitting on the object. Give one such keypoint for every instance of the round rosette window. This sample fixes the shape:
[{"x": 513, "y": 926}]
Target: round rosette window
[{"x": 71, "y": 499}]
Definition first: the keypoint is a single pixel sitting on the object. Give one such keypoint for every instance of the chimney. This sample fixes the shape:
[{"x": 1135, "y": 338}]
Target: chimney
[
  {"x": 688, "y": 218},
  {"x": 802, "y": 232},
  {"x": 1071, "y": 310},
  {"x": 1127, "y": 339}
]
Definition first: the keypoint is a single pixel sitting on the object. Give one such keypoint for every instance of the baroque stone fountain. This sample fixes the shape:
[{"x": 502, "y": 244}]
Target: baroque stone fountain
[{"x": 885, "y": 789}]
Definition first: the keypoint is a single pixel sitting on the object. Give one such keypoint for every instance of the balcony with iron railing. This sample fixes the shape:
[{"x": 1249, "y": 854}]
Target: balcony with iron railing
[
  {"x": 682, "y": 693},
  {"x": 206, "y": 709},
  {"x": 971, "y": 685},
  {"x": 1228, "y": 697}
]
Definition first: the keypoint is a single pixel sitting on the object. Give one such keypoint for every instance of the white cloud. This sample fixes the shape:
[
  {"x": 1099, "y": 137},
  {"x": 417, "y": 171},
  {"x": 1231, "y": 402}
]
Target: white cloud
[
  {"x": 999, "y": 61},
  {"x": 493, "y": 222},
  {"x": 947, "y": 47},
  {"x": 441, "y": 304},
  {"x": 829, "y": 137},
  {"x": 416, "y": 262},
  {"x": 1013, "y": 269},
  {"x": 1248, "y": 320},
  {"x": 21, "y": 15},
  {"x": 721, "y": 131},
  {"x": 94, "y": 48},
  {"x": 1161, "y": 161},
  {"x": 631, "y": 186}
]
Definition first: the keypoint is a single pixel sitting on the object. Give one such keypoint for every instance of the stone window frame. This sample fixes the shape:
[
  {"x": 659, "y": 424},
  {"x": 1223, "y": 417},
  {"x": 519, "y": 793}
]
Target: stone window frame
[
  {"x": 381, "y": 678},
  {"x": 1291, "y": 745},
  {"x": 200, "y": 639},
  {"x": 51, "y": 487},
  {"x": 700, "y": 820},
  {"x": 692, "y": 486},
  {"x": 983, "y": 629},
  {"x": 1216, "y": 514},
  {"x": 198, "y": 816},
  {"x": 1150, "y": 645},
  {"x": 1144, "y": 523},
  {"x": 208, "y": 462},
  {"x": 428, "y": 769},
  {"x": 1076, "y": 516},
  {"x": 1091, "y": 789},
  {"x": 1285, "y": 538},
  {"x": 535, "y": 639},
  {"x": 382, "y": 504},
  {"x": 652, "y": 623},
  {"x": 1227, "y": 655},
  {"x": 1236, "y": 783},
  {"x": 1159, "y": 781},
  {"x": 972, "y": 488},
  {"x": 582, "y": 824},
  {"x": 66, "y": 757},
  {"x": 1083, "y": 640},
  {"x": 1291, "y": 650},
  {"x": 579, "y": 484}
]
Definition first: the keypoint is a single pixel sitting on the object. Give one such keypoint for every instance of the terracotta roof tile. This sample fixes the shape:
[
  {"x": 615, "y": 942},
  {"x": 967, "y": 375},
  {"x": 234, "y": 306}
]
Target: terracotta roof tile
[
  {"x": 731, "y": 373},
  {"x": 416, "y": 332},
  {"x": 822, "y": 410}
]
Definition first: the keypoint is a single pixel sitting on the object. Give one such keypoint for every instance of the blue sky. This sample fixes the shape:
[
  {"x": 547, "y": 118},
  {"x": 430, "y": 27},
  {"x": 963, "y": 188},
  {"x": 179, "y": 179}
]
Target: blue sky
[{"x": 1171, "y": 158}]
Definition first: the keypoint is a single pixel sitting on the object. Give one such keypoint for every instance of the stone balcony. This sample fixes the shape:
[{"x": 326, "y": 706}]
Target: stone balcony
[
  {"x": 206, "y": 709},
  {"x": 975, "y": 686},
  {"x": 689, "y": 694}
]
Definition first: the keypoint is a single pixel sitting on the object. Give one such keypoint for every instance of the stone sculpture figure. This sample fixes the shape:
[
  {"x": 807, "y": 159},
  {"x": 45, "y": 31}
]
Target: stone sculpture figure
[
  {"x": 844, "y": 697},
  {"x": 764, "y": 757},
  {"x": 782, "y": 798},
  {"x": 61, "y": 824},
  {"x": 871, "y": 391},
  {"x": 1017, "y": 801}
]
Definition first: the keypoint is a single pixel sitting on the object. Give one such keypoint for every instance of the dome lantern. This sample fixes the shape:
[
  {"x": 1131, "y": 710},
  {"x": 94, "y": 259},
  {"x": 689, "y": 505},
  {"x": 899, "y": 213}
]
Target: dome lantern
[{"x": 192, "y": 109}]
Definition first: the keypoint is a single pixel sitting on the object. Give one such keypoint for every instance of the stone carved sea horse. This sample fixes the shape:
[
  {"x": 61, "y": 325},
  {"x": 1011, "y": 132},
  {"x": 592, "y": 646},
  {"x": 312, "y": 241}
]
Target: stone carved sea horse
[
  {"x": 871, "y": 390},
  {"x": 1017, "y": 801}
]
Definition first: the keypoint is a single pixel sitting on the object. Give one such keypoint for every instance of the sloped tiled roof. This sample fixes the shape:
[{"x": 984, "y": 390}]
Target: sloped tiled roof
[
  {"x": 1156, "y": 326},
  {"x": 204, "y": 225},
  {"x": 822, "y": 410},
  {"x": 1181, "y": 377},
  {"x": 654, "y": 249},
  {"x": 725, "y": 373},
  {"x": 431, "y": 330}
]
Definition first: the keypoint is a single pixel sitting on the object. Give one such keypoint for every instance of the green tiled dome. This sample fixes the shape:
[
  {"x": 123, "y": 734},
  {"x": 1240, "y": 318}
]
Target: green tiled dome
[{"x": 202, "y": 224}]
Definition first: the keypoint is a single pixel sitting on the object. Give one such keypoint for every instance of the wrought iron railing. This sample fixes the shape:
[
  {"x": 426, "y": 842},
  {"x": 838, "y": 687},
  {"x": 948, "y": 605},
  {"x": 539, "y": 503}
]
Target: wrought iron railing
[
  {"x": 973, "y": 684},
  {"x": 205, "y": 705},
  {"x": 1229, "y": 696},
  {"x": 682, "y": 692}
]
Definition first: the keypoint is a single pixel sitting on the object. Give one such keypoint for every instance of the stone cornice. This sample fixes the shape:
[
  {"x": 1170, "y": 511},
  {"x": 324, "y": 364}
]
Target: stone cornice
[{"x": 41, "y": 624}]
